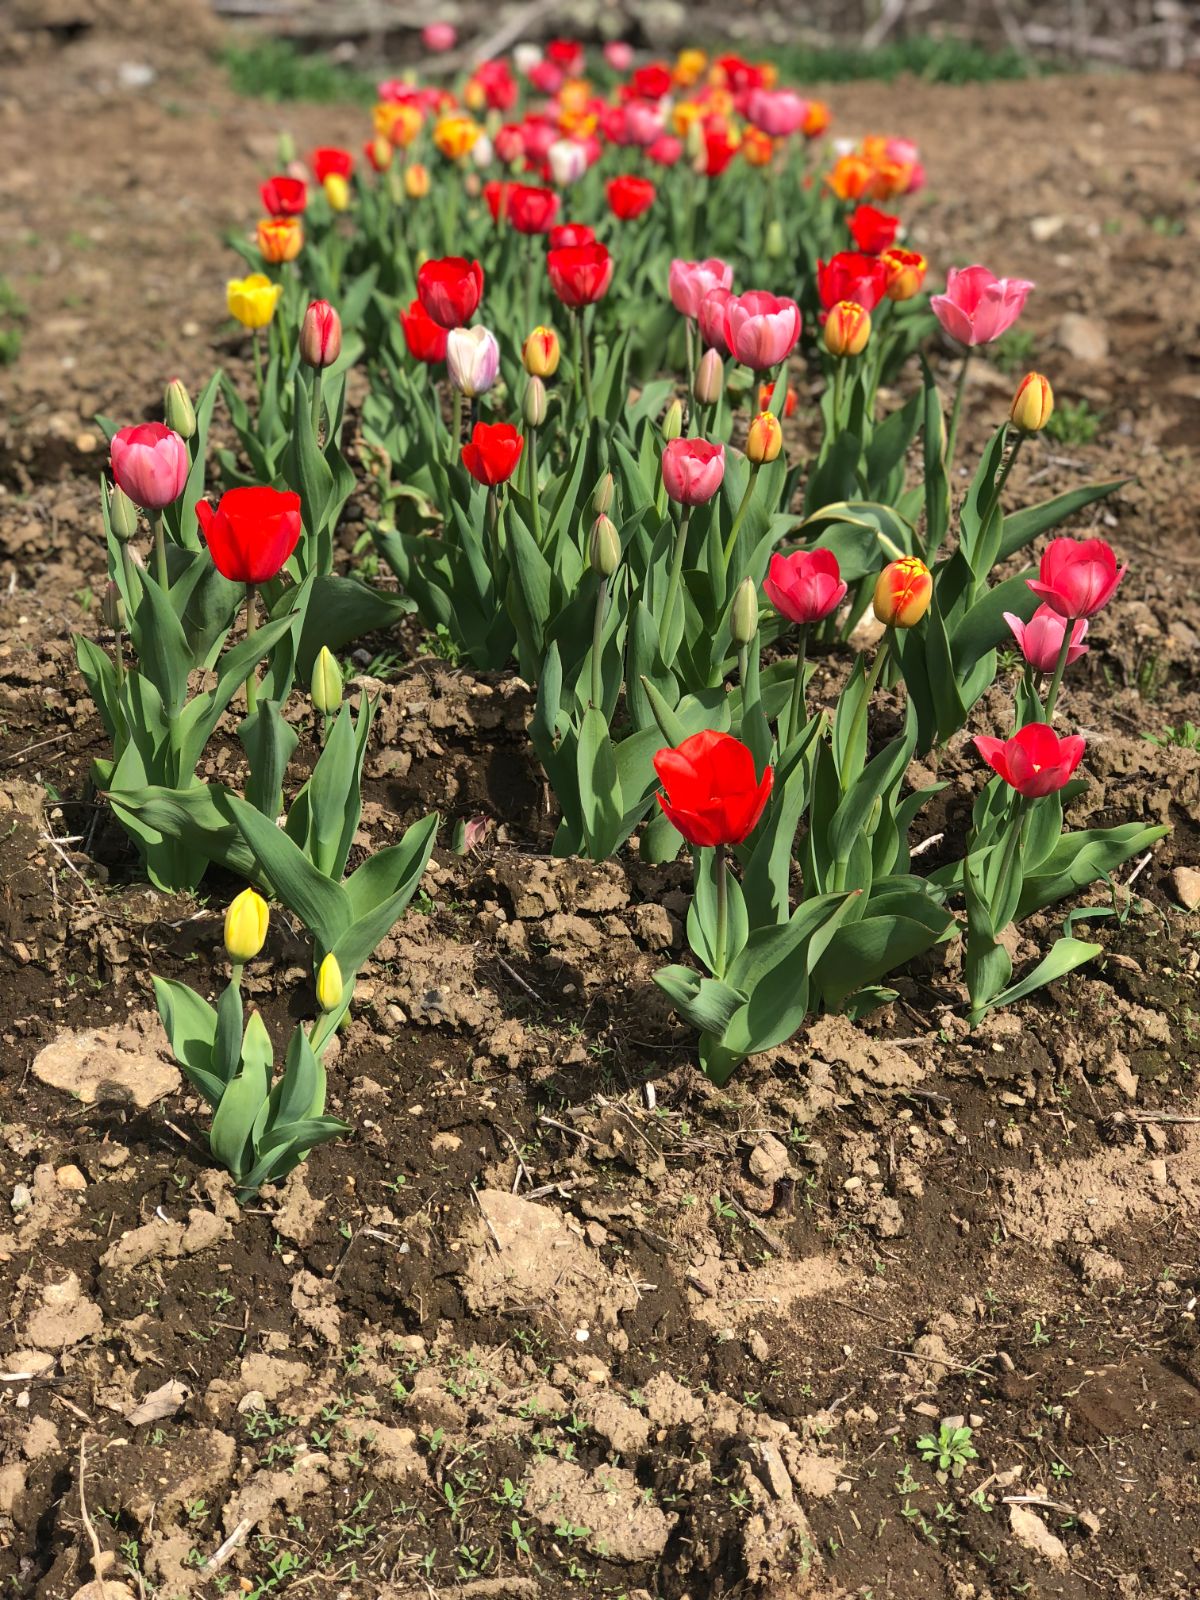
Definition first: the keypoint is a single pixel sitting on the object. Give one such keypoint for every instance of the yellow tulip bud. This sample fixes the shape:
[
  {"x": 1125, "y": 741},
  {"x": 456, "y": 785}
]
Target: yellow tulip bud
[
  {"x": 252, "y": 300},
  {"x": 743, "y": 614},
  {"x": 326, "y": 687},
  {"x": 329, "y": 983},
  {"x": 416, "y": 181},
  {"x": 903, "y": 592},
  {"x": 847, "y": 329},
  {"x": 337, "y": 191},
  {"x": 765, "y": 439},
  {"x": 541, "y": 353},
  {"x": 672, "y": 422},
  {"x": 1033, "y": 403},
  {"x": 246, "y": 926}
]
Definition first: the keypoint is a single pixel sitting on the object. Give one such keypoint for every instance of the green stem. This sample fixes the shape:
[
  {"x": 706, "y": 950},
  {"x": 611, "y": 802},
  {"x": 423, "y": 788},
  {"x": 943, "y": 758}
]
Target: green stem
[
  {"x": 691, "y": 363},
  {"x": 779, "y": 390},
  {"x": 739, "y": 514},
  {"x": 586, "y": 367},
  {"x": 685, "y": 514},
  {"x": 236, "y": 969},
  {"x": 316, "y": 405},
  {"x": 798, "y": 713},
  {"x": 858, "y": 728},
  {"x": 492, "y": 520},
  {"x": 1060, "y": 667},
  {"x": 535, "y": 498},
  {"x": 160, "y": 550},
  {"x": 839, "y": 388},
  {"x": 251, "y": 629},
  {"x": 1002, "y": 479},
  {"x": 956, "y": 413},
  {"x": 598, "y": 645},
  {"x": 721, "y": 868},
  {"x": 531, "y": 278},
  {"x": 259, "y": 379},
  {"x": 456, "y": 412},
  {"x": 119, "y": 656},
  {"x": 1012, "y": 847}
]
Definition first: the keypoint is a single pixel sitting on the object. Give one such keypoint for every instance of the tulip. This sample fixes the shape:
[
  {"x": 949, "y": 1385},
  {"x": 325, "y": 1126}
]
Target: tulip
[
  {"x": 533, "y": 407},
  {"x": 779, "y": 112},
  {"x": 493, "y": 452},
  {"x": 1033, "y": 403},
  {"x": 761, "y": 329},
  {"x": 112, "y": 610},
  {"x": 619, "y": 55},
  {"x": 604, "y": 547},
  {"x": 710, "y": 379},
  {"x": 438, "y": 37},
  {"x": 579, "y": 274},
  {"x": 472, "y": 360},
  {"x": 541, "y": 353},
  {"x": 712, "y": 793},
  {"x": 252, "y": 300},
  {"x": 398, "y": 124},
  {"x": 454, "y": 136},
  {"x": 330, "y": 989},
  {"x": 688, "y": 282},
  {"x": 1041, "y": 638},
  {"x": 671, "y": 425},
  {"x": 692, "y": 470},
  {"x": 872, "y": 230},
  {"x": 530, "y": 209},
  {"x": 567, "y": 234},
  {"x": 629, "y": 197},
  {"x": 246, "y": 920},
  {"x": 326, "y": 686},
  {"x": 337, "y": 191},
  {"x": 903, "y": 592},
  {"x": 284, "y": 196},
  {"x": 416, "y": 181},
  {"x": 150, "y": 464},
  {"x": 320, "y": 335},
  {"x": 178, "y": 409},
  {"x": 251, "y": 532},
  {"x": 765, "y": 439},
  {"x": 850, "y": 275},
  {"x": 1077, "y": 577},
  {"x": 331, "y": 161},
  {"x": 710, "y": 319},
  {"x": 1035, "y": 761},
  {"x": 665, "y": 150},
  {"x": 568, "y": 162},
  {"x": 766, "y": 393},
  {"x": 280, "y": 239},
  {"x": 450, "y": 289},
  {"x": 978, "y": 307},
  {"x": 743, "y": 615},
  {"x": 805, "y": 587},
  {"x": 425, "y": 338},
  {"x": 905, "y": 271},
  {"x": 817, "y": 118},
  {"x": 847, "y": 329}
]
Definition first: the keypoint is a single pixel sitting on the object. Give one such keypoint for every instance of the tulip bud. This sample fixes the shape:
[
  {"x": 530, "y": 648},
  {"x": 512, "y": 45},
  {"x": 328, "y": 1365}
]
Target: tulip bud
[
  {"x": 178, "y": 411},
  {"x": 534, "y": 409},
  {"x": 672, "y": 422},
  {"x": 112, "y": 607},
  {"x": 320, "y": 335},
  {"x": 710, "y": 379},
  {"x": 541, "y": 353},
  {"x": 602, "y": 498},
  {"x": 743, "y": 614},
  {"x": 847, "y": 329},
  {"x": 774, "y": 247},
  {"x": 245, "y": 926},
  {"x": 765, "y": 439},
  {"x": 326, "y": 686},
  {"x": 337, "y": 191},
  {"x": 693, "y": 141},
  {"x": 604, "y": 547},
  {"x": 330, "y": 988},
  {"x": 416, "y": 181},
  {"x": 903, "y": 592},
  {"x": 122, "y": 514},
  {"x": 286, "y": 149},
  {"x": 1033, "y": 403}
]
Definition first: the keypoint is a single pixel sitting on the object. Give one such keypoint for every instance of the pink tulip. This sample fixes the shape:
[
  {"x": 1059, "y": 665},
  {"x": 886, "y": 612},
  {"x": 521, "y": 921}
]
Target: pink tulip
[
  {"x": 643, "y": 122},
  {"x": 439, "y": 36},
  {"x": 689, "y": 281},
  {"x": 150, "y": 463},
  {"x": 711, "y": 319},
  {"x": 806, "y": 586},
  {"x": 692, "y": 470},
  {"x": 778, "y": 112},
  {"x": 1077, "y": 577},
  {"x": 978, "y": 307},
  {"x": 1041, "y": 638},
  {"x": 619, "y": 55},
  {"x": 761, "y": 329}
]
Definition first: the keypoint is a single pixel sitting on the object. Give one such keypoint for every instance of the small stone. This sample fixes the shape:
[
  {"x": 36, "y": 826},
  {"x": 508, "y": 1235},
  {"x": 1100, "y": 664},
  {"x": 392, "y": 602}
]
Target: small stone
[
  {"x": 85, "y": 443},
  {"x": 22, "y": 1198},
  {"x": 1042, "y": 229},
  {"x": 1085, "y": 338},
  {"x": 445, "y": 1143},
  {"x": 769, "y": 1159},
  {"x": 70, "y": 1178},
  {"x": 1186, "y": 882}
]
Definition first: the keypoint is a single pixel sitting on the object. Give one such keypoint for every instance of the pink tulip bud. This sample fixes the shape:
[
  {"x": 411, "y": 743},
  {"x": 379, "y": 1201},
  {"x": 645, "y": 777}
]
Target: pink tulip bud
[
  {"x": 710, "y": 379},
  {"x": 320, "y": 335},
  {"x": 692, "y": 470},
  {"x": 150, "y": 464},
  {"x": 1040, "y": 639}
]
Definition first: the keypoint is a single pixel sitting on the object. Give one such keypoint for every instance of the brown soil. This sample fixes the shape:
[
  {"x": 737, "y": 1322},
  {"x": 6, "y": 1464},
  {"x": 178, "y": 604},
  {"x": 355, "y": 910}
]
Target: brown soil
[{"x": 560, "y": 1319}]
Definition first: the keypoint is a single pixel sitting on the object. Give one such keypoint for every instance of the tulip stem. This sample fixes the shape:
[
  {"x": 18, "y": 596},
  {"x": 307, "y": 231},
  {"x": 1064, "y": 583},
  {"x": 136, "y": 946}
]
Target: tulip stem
[
  {"x": 160, "y": 550},
  {"x": 316, "y": 406},
  {"x": 492, "y": 518},
  {"x": 533, "y": 486},
  {"x": 456, "y": 414},
  {"x": 664, "y": 626},
  {"x": 235, "y": 974},
  {"x": 1059, "y": 668},
  {"x": 739, "y": 514},
  {"x": 956, "y": 412},
  {"x": 858, "y": 728},
  {"x": 119, "y": 656},
  {"x": 1002, "y": 478},
  {"x": 598, "y": 645},
  {"x": 1012, "y": 846},
  {"x": 531, "y": 278},
  {"x": 583, "y": 363},
  {"x": 721, "y": 872},
  {"x": 691, "y": 362},
  {"x": 839, "y": 387},
  {"x": 779, "y": 390},
  {"x": 798, "y": 713},
  {"x": 251, "y": 629},
  {"x": 258, "y": 364}
]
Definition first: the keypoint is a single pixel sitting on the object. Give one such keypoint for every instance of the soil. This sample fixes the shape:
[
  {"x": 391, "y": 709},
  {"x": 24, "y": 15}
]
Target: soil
[{"x": 560, "y": 1319}]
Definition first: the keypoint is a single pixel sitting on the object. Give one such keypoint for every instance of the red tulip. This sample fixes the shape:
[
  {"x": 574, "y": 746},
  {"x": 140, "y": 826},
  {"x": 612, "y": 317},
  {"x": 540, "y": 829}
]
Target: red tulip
[
  {"x": 283, "y": 196},
  {"x": 851, "y": 276},
  {"x": 720, "y": 147},
  {"x": 509, "y": 143},
  {"x": 568, "y": 234},
  {"x": 1041, "y": 638},
  {"x": 692, "y": 470},
  {"x": 580, "y": 274},
  {"x": 873, "y": 230},
  {"x": 805, "y": 587},
  {"x": 425, "y": 338},
  {"x": 497, "y": 195},
  {"x": 665, "y": 151},
  {"x": 320, "y": 335},
  {"x": 331, "y": 162},
  {"x": 1077, "y": 576},
  {"x": 530, "y": 209},
  {"x": 628, "y": 196},
  {"x": 652, "y": 81},
  {"x": 1035, "y": 761},
  {"x": 712, "y": 793},
  {"x": 766, "y": 393},
  {"x": 450, "y": 289},
  {"x": 492, "y": 454},
  {"x": 567, "y": 56},
  {"x": 252, "y": 532},
  {"x": 150, "y": 464}
]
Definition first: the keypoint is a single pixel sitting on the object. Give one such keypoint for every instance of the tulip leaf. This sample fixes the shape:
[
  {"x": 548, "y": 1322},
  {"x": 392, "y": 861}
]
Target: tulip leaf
[
  {"x": 600, "y": 802},
  {"x": 1021, "y": 527},
  {"x": 190, "y": 1024},
  {"x": 322, "y": 906},
  {"x": 706, "y": 1003},
  {"x": 386, "y": 873},
  {"x": 230, "y": 1137}
]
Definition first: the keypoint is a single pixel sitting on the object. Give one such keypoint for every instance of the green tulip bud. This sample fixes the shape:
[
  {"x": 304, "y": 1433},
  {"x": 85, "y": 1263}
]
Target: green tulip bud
[
  {"x": 329, "y": 984},
  {"x": 326, "y": 687},
  {"x": 286, "y": 149},
  {"x": 178, "y": 410},
  {"x": 602, "y": 499},
  {"x": 604, "y": 547},
  {"x": 112, "y": 608},
  {"x": 774, "y": 247},
  {"x": 743, "y": 614},
  {"x": 122, "y": 514},
  {"x": 672, "y": 422},
  {"x": 535, "y": 402}
]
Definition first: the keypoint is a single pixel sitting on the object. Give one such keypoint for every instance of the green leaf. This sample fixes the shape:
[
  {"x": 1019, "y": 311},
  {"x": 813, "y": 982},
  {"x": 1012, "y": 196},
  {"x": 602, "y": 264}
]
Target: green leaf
[
  {"x": 322, "y": 906},
  {"x": 396, "y": 870},
  {"x": 191, "y": 1027},
  {"x": 600, "y": 802},
  {"x": 706, "y": 1003},
  {"x": 1021, "y": 527},
  {"x": 1063, "y": 957},
  {"x": 233, "y": 1121}
]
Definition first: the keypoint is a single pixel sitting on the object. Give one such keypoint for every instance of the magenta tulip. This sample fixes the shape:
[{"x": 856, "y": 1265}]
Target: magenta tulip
[
  {"x": 688, "y": 282},
  {"x": 692, "y": 470},
  {"x": 1041, "y": 638},
  {"x": 711, "y": 319},
  {"x": 978, "y": 307},
  {"x": 1077, "y": 577},
  {"x": 150, "y": 464},
  {"x": 805, "y": 587}
]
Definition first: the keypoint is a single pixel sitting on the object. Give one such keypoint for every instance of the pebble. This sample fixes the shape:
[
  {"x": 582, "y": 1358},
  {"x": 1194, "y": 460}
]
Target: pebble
[
  {"x": 1186, "y": 883},
  {"x": 22, "y": 1197},
  {"x": 70, "y": 1178}
]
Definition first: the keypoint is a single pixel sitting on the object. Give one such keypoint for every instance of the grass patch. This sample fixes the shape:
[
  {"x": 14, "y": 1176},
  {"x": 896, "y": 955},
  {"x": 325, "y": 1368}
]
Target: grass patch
[
  {"x": 934, "y": 60},
  {"x": 273, "y": 69}
]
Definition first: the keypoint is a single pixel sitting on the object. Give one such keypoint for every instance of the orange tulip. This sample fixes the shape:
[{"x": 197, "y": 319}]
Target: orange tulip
[
  {"x": 280, "y": 239},
  {"x": 758, "y": 147},
  {"x": 455, "y": 136},
  {"x": 851, "y": 178},
  {"x": 905, "y": 272},
  {"x": 399, "y": 123},
  {"x": 903, "y": 592},
  {"x": 416, "y": 181},
  {"x": 847, "y": 329}
]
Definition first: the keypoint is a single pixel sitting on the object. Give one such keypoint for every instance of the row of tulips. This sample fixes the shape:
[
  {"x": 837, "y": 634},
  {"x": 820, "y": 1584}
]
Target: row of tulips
[{"x": 615, "y": 515}]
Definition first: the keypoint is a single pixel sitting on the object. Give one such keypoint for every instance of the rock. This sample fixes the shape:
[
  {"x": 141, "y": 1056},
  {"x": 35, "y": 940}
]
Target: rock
[
  {"x": 70, "y": 1178},
  {"x": 107, "y": 1065},
  {"x": 65, "y": 1316},
  {"x": 769, "y": 1159},
  {"x": 22, "y": 1198},
  {"x": 1085, "y": 338},
  {"x": 620, "y": 1523},
  {"x": 1186, "y": 883},
  {"x": 1029, "y": 1529},
  {"x": 622, "y": 1425},
  {"x": 1043, "y": 229},
  {"x": 12, "y": 1486},
  {"x": 41, "y": 1439},
  {"x": 669, "y": 1404}
]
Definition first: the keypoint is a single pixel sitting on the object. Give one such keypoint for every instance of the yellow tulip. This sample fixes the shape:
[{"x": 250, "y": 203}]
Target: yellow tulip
[
  {"x": 246, "y": 926},
  {"x": 252, "y": 300},
  {"x": 329, "y": 983},
  {"x": 337, "y": 191},
  {"x": 455, "y": 136}
]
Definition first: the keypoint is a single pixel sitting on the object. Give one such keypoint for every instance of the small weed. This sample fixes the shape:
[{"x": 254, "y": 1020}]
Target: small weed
[
  {"x": 1186, "y": 737},
  {"x": 1073, "y": 424},
  {"x": 951, "y": 1449},
  {"x": 1013, "y": 352}
]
